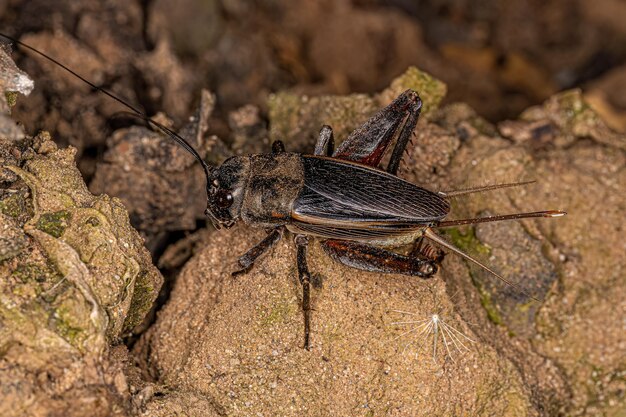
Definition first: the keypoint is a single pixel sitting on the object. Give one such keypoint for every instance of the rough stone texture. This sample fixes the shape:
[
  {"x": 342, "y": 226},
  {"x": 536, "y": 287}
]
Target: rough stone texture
[
  {"x": 246, "y": 351},
  {"x": 68, "y": 221},
  {"x": 74, "y": 278},
  {"x": 237, "y": 341},
  {"x": 296, "y": 119},
  {"x": 12, "y": 81},
  {"x": 161, "y": 184}
]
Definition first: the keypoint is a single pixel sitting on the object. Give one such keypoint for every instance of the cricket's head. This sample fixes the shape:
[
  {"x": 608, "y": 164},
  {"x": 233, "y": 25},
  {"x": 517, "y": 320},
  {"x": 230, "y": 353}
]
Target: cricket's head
[{"x": 225, "y": 191}]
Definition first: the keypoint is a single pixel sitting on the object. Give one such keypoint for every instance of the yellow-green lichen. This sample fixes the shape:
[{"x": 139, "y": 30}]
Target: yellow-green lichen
[
  {"x": 35, "y": 272},
  {"x": 14, "y": 205},
  {"x": 143, "y": 297},
  {"x": 467, "y": 240},
  {"x": 11, "y": 97},
  {"x": 67, "y": 325},
  {"x": 490, "y": 307},
  {"x": 430, "y": 89},
  {"x": 54, "y": 223}
]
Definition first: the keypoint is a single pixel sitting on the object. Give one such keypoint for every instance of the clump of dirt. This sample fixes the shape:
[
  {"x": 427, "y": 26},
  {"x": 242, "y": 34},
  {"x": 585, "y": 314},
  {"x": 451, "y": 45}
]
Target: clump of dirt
[
  {"x": 238, "y": 341},
  {"x": 241, "y": 341},
  {"x": 155, "y": 178},
  {"x": 75, "y": 279}
]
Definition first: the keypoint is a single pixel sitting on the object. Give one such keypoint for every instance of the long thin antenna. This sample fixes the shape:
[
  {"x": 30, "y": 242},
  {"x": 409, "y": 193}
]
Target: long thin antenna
[
  {"x": 455, "y": 193},
  {"x": 175, "y": 136},
  {"x": 499, "y": 218},
  {"x": 441, "y": 241}
]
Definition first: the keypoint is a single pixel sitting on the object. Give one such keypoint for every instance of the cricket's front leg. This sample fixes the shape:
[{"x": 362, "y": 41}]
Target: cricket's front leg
[
  {"x": 374, "y": 259},
  {"x": 246, "y": 261},
  {"x": 302, "y": 242}
]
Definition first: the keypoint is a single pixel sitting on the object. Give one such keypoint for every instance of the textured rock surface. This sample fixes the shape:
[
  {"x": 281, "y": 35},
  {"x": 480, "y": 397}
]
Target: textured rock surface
[
  {"x": 12, "y": 81},
  {"x": 74, "y": 278},
  {"x": 241, "y": 342},
  {"x": 237, "y": 341},
  {"x": 157, "y": 180}
]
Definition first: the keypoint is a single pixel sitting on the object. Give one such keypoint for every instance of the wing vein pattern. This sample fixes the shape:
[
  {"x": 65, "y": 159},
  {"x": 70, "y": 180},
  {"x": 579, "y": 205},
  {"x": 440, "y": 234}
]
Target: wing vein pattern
[{"x": 342, "y": 199}]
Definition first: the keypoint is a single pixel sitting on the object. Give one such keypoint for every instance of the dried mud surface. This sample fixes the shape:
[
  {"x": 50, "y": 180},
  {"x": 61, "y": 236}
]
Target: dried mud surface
[
  {"x": 80, "y": 333},
  {"x": 529, "y": 358}
]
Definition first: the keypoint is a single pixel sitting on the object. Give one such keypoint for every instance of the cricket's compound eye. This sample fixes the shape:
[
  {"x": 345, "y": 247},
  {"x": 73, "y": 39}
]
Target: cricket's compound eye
[{"x": 224, "y": 199}]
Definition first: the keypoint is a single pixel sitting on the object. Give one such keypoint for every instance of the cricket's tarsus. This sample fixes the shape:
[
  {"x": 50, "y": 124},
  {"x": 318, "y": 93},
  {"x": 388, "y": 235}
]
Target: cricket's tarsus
[{"x": 339, "y": 196}]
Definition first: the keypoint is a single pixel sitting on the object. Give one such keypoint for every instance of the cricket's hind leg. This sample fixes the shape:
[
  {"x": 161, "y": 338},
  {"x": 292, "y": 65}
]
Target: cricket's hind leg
[
  {"x": 368, "y": 143},
  {"x": 412, "y": 115},
  {"x": 423, "y": 250},
  {"x": 325, "y": 145},
  {"x": 374, "y": 259},
  {"x": 246, "y": 261}
]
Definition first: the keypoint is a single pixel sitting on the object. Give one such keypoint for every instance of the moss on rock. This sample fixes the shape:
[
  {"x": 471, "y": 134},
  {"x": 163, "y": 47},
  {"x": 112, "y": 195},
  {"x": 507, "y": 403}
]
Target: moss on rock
[
  {"x": 430, "y": 89},
  {"x": 53, "y": 223}
]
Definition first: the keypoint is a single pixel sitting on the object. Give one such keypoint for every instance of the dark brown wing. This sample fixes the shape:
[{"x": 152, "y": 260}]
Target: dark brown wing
[{"x": 351, "y": 200}]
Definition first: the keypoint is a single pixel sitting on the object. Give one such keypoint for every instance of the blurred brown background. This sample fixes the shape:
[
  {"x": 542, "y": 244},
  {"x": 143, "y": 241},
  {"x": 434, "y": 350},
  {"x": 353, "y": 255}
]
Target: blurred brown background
[{"x": 500, "y": 57}]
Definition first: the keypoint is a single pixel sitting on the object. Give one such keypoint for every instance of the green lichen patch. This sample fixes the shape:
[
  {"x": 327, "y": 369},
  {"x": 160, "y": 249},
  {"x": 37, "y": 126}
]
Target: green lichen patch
[
  {"x": 141, "y": 302},
  {"x": 278, "y": 313},
  {"x": 69, "y": 323},
  {"x": 467, "y": 241},
  {"x": 34, "y": 272},
  {"x": 11, "y": 97},
  {"x": 12, "y": 239},
  {"x": 430, "y": 89},
  {"x": 15, "y": 205},
  {"x": 54, "y": 223},
  {"x": 493, "y": 314}
]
